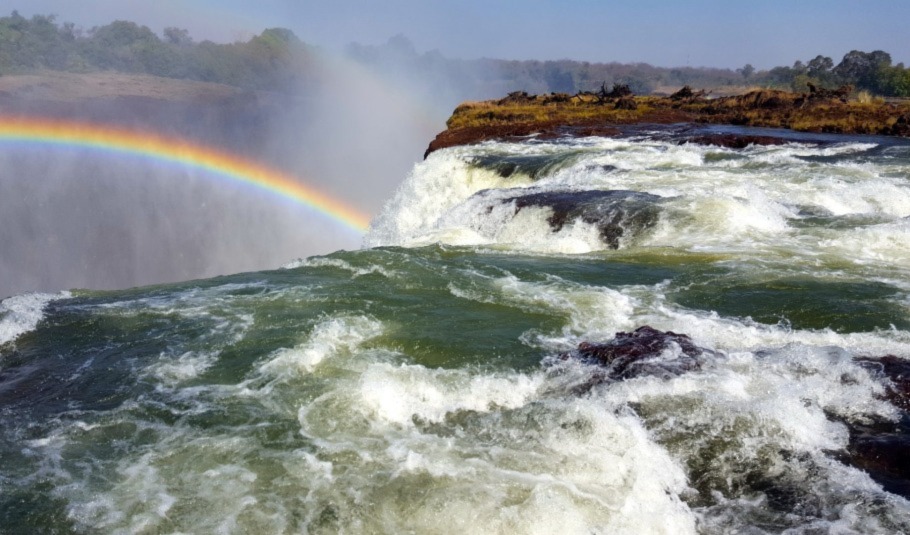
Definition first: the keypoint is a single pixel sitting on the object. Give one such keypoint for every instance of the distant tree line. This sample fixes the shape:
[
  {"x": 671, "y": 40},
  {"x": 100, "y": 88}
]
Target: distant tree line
[
  {"x": 277, "y": 59},
  {"x": 270, "y": 60},
  {"x": 492, "y": 78},
  {"x": 869, "y": 71}
]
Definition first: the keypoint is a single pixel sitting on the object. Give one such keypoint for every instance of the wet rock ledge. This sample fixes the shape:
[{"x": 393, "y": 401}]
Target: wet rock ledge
[{"x": 611, "y": 113}]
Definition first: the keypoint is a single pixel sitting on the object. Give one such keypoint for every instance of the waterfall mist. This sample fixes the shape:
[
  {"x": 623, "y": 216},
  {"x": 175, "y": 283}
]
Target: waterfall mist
[{"x": 78, "y": 218}]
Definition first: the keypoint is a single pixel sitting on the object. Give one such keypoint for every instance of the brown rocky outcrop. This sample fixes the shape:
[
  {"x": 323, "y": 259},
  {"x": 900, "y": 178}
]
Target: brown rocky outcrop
[
  {"x": 618, "y": 91},
  {"x": 819, "y": 93},
  {"x": 901, "y": 127},
  {"x": 625, "y": 103},
  {"x": 686, "y": 93},
  {"x": 585, "y": 113},
  {"x": 516, "y": 97},
  {"x": 765, "y": 99}
]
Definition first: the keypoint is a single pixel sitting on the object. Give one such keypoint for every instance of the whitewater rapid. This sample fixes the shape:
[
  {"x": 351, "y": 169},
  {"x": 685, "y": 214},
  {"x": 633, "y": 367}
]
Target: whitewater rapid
[
  {"x": 425, "y": 383},
  {"x": 756, "y": 200}
]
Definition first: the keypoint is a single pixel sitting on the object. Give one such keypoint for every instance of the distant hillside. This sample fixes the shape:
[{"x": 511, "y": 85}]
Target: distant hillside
[{"x": 58, "y": 86}]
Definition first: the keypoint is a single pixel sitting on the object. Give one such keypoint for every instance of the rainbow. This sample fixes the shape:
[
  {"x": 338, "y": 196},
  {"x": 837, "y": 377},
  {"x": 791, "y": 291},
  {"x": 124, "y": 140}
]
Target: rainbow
[{"x": 154, "y": 146}]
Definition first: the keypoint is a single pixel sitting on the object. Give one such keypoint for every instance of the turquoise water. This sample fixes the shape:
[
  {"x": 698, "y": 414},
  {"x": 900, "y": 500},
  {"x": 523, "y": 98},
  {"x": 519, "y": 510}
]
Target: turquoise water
[{"x": 411, "y": 386}]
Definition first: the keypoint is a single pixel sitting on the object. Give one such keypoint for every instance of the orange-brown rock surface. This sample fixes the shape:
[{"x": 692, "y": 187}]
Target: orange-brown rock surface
[{"x": 519, "y": 115}]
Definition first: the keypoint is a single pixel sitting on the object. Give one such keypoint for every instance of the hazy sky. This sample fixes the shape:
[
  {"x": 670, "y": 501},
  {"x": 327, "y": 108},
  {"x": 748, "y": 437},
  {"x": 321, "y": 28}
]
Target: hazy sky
[{"x": 717, "y": 33}]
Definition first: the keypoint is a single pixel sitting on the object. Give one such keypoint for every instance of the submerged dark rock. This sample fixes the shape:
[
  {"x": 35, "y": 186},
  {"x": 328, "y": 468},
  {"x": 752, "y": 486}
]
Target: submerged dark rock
[
  {"x": 533, "y": 166},
  {"x": 880, "y": 447},
  {"x": 733, "y": 141},
  {"x": 645, "y": 351},
  {"x": 616, "y": 213},
  {"x": 896, "y": 371}
]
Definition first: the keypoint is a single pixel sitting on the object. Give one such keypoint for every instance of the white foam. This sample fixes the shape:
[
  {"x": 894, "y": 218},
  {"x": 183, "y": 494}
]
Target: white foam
[
  {"x": 189, "y": 365},
  {"x": 329, "y": 339},
  {"x": 193, "y": 302},
  {"x": 199, "y": 484},
  {"x": 593, "y": 311},
  {"x": 393, "y": 446},
  {"x": 399, "y": 394},
  {"x": 529, "y": 230},
  {"x": 855, "y": 195},
  {"x": 720, "y": 222},
  {"x": 321, "y": 261},
  {"x": 143, "y": 508},
  {"x": 887, "y": 243},
  {"x": 767, "y": 415},
  {"x": 486, "y": 454},
  {"x": 22, "y": 313},
  {"x": 435, "y": 185},
  {"x": 720, "y": 205}
]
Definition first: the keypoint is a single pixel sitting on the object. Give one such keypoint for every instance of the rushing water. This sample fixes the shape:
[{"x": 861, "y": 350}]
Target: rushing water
[{"x": 415, "y": 386}]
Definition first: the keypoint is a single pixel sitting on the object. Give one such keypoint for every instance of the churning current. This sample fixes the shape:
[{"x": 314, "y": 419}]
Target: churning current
[{"x": 597, "y": 335}]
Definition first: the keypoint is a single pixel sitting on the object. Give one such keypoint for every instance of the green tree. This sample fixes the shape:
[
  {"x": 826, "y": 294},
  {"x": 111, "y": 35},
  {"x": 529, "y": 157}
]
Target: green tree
[
  {"x": 121, "y": 45},
  {"x": 780, "y": 77},
  {"x": 32, "y": 43},
  {"x": 894, "y": 81},
  {"x": 746, "y": 71},
  {"x": 177, "y": 36},
  {"x": 862, "y": 68},
  {"x": 819, "y": 67}
]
